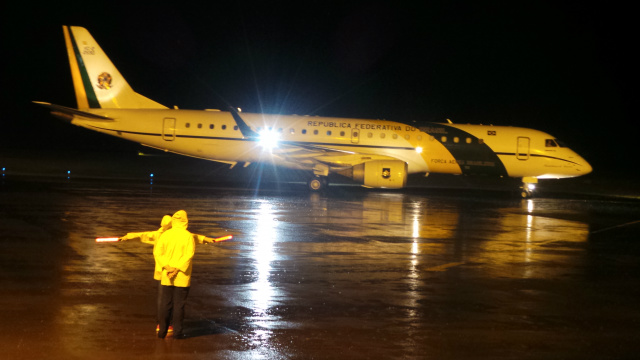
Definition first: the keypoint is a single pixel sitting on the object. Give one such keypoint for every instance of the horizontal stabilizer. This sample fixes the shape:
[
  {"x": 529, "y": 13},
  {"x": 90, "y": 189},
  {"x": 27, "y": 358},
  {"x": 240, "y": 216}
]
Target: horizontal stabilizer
[{"x": 73, "y": 112}]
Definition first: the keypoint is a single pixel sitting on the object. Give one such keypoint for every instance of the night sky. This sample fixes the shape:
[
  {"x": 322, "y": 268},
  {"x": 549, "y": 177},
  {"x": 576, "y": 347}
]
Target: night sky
[{"x": 561, "y": 68}]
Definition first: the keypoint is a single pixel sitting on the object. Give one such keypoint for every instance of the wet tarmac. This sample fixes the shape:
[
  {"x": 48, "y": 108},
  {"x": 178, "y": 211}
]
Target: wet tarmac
[{"x": 350, "y": 274}]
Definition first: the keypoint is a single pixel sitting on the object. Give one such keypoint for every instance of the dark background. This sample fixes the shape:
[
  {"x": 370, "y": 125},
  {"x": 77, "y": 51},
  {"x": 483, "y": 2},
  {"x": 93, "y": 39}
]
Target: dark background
[{"x": 561, "y": 67}]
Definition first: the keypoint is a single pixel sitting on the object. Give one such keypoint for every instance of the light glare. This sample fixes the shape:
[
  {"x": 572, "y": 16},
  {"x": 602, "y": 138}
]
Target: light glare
[{"x": 269, "y": 139}]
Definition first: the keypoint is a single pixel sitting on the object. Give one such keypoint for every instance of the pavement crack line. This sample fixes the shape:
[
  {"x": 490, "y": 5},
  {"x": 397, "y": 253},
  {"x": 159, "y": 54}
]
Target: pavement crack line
[
  {"x": 443, "y": 267},
  {"x": 615, "y": 227}
]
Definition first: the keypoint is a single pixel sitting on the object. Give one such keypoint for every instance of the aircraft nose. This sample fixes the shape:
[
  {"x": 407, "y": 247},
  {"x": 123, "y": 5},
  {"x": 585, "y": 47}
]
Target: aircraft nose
[{"x": 585, "y": 167}]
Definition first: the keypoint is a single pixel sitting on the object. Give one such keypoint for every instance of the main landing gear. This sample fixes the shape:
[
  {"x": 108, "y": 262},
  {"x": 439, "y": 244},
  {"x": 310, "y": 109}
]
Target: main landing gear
[
  {"x": 527, "y": 187},
  {"x": 318, "y": 183}
]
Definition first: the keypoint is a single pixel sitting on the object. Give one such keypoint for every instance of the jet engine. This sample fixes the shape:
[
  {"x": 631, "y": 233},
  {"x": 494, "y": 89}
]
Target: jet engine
[{"x": 379, "y": 173}]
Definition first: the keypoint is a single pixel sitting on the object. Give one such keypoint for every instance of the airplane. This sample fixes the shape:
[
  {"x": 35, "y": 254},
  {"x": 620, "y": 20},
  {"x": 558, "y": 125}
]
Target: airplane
[{"x": 374, "y": 153}]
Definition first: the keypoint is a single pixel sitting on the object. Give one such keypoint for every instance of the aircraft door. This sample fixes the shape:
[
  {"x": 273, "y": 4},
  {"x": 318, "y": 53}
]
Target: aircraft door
[
  {"x": 355, "y": 136},
  {"x": 169, "y": 129},
  {"x": 522, "y": 152}
]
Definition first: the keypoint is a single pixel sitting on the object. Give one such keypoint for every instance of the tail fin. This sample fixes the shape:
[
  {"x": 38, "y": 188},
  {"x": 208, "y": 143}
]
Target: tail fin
[{"x": 97, "y": 82}]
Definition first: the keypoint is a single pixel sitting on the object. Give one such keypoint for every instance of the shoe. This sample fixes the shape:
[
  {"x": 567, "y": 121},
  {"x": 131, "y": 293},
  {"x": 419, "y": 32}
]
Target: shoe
[{"x": 169, "y": 330}]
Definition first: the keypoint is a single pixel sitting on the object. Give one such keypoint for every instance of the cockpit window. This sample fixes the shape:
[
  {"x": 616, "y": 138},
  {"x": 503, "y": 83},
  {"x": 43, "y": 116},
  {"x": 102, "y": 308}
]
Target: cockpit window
[
  {"x": 561, "y": 143},
  {"x": 550, "y": 143}
]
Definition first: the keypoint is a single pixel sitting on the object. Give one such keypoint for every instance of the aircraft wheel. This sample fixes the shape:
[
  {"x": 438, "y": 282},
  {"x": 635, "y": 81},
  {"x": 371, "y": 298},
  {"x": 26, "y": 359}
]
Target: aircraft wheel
[
  {"x": 317, "y": 184},
  {"x": 526, "y": 194}
]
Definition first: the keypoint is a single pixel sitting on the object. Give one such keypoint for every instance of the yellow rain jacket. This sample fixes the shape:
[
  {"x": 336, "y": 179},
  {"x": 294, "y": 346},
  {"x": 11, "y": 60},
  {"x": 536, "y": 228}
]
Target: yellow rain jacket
[{"x": 175, "y": 248}]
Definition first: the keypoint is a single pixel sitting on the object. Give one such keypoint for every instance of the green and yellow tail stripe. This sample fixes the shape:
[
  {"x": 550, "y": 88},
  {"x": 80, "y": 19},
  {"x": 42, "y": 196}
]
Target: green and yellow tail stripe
[{"x": 85, "y": 96}]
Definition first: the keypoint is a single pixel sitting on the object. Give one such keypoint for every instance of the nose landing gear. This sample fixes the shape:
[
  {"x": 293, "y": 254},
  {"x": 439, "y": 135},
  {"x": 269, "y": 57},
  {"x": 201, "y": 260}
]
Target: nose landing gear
[{"x": 527, "y": 187}]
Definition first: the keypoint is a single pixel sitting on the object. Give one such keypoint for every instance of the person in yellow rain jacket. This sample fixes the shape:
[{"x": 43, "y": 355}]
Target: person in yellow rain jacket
[
  {"x": 151, "y": 237},
  {"x": 173, "y": 253}
]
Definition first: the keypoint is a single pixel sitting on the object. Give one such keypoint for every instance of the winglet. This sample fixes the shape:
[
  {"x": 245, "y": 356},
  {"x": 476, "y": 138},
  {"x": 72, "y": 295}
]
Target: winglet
[{"x": 242, "y": 125}]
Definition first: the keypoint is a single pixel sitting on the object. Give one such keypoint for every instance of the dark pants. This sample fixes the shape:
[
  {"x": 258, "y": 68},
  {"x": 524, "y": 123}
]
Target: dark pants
[
  {"x": 159, "y": 305},
  {"x": 173, "y": 299}
]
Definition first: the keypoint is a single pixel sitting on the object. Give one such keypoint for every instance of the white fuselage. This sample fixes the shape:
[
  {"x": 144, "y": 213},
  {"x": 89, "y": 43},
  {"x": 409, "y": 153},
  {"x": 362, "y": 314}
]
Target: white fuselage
[{"x": 438, "y": 148}]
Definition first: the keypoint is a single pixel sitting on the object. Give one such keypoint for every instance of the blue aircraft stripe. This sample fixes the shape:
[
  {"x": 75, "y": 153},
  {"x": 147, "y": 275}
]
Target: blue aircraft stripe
[{"x": 473, "y": 158}]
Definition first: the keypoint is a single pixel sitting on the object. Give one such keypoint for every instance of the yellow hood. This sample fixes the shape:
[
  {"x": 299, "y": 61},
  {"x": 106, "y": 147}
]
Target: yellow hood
[
  {"x": 166, "y": 222},
  {"x": 179, "y": 220}
]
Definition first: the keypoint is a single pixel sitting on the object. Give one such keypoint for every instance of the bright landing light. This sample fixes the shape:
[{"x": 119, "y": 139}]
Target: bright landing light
[
  {"x": 419, "y": 150},
  {"x": 268, "y": 139}
]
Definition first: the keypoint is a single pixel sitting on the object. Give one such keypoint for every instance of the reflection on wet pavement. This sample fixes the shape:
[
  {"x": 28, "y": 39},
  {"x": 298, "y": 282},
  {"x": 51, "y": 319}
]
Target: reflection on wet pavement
[{"x": 356, "y": 274}]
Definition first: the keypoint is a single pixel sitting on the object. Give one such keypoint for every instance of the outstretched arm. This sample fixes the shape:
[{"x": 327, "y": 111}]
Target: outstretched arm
[
  {"x": 147, "y": 237},
  {"x": 201, "y": 239},
  {"x": 131, "y": 236}
]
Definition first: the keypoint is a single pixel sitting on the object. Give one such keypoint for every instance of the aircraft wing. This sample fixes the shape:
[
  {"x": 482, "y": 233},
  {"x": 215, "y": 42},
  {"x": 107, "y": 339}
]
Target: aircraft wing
[
  {"x": 312, "y": 154},
  {"x": 307, "y": 155},
  {"x": 313, "y": 149}
]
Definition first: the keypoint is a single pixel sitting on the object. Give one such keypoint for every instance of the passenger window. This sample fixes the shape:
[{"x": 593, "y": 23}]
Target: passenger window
[
  {"x": 211, "y": 126},
  {"x": 456, "y": 139},
  {"x": 304, "y": 131},
  {"x": 341, "y": 133},
  {"x": 199, "y": 126},
  {"x": 480, "y": 141},
  {"x": 370, "y": 135},
  {"x": 292, "y": 131},
  {"x": 382, "y": 135},
  {"x": 395, "y": 136},
  {"x": 235, "y": 127},
  {"x": 328, "y": 132},
  {"x": 315, "y": 132},
  {"x": 419, "y": 138},
  {"x": 407, "y": 136},
  {"x": 187, "y": 125},
  {"x": 443, "y": 139},
  {"x": 469, "y": 140},
  {"x": 224, "y": 127}
]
